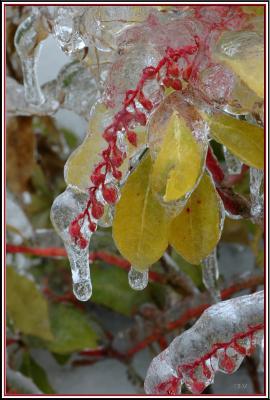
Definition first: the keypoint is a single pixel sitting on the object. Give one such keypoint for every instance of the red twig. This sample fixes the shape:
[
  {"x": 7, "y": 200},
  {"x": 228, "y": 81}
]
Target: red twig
[
  {"x": 196, "y": 312},
  {"x": 93, "y": 256},
  {"x": 214, "y": 166}
]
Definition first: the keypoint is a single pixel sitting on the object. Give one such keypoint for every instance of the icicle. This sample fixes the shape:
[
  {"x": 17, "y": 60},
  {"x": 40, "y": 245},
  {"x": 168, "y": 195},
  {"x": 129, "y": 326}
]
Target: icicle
[
  {"x": 79, "y": 263},
  {"x": 256, "y": 193},
  {"x": 224, "y": 334},
  {"x": 233, "y": 164},
  {"x": 137, "y": 280},
  {"x": 27, "y": 39},
  {"x": 210, "y": 273},
  {"x": 64, "y": 210},
  {"x": 66, "y": 26}
]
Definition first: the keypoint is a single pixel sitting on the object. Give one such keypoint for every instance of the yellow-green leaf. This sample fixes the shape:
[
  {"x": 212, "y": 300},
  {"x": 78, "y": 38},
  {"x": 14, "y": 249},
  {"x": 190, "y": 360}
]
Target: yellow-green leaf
[
  {"x": 26, "y": 306},
  {"x": 82, "y": 161},
  {"x": 244, "y": 140},
  {"x": 72, "y": 329},
  {"x": 179, "y": 162},
  {"x": 140, "y": 226},
  {"x": 243, "y": 52},
  {"x": 195, "y": 232}
]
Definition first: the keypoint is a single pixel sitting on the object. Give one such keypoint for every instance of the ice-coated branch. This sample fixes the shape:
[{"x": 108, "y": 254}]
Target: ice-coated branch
[
  {"x": 21, "y": 383},
  {"x": 224, "y": 334}
]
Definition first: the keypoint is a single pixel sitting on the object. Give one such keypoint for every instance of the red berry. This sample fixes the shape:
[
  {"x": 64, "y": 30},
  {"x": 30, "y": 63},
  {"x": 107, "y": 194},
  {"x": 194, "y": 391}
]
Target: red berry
[
  {"x": 74, "y": 229},
  {"x": 227, "y": 364},
  {"x": 97, "y": 179},
  {"x": 92, "y": 226},
  {"x": 167, "y": 82},
  {"x": 197, "y": 386},
  {"x": 141, "y": 118},
  {"x": 97, "y": 209},
  {"x": 149, "y": 72},
  {"x": 132, "y": 138},
  {"x": 82, "y": 242},
  {"x": 187, "y": 73},
  {"x": 173, "y": 70},
  {"x": 147, "y": 104},
  {"x": 109, "y": 194},
  {"x": 176, "y": 84},
  {"x": 117, "y": 174},
  {"x": 109, "y": 136}
]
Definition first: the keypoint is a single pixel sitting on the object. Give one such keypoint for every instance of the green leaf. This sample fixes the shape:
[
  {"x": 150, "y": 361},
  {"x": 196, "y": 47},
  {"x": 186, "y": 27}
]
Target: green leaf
[
  {"x": 140, "y": 226},
  {"x": 34, "y": 371},
  {"x": 62, "y": 359},
  {"x": 71, "y": 328},
  {"x": 71, "y": 138},
  {"x": 193, "y": 271},
  {"x": 26, "y": 306},
  {"x": 111, "y": 289}
]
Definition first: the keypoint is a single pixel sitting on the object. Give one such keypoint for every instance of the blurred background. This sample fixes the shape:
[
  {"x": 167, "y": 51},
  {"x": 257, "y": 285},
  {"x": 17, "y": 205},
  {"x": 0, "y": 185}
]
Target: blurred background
[{"x": 59, "y": 345}]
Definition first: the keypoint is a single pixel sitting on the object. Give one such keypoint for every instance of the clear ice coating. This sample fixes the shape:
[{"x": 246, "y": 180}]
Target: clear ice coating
[
  {"x": 233, "y": 164},
  {"x": 27, "y": 42},
  {"x": 235, "y": 324},
  {"x": 64, "y": 210},
  {"x": 256, "y": 194},
  {"x": 210, "y": 275},
  {"x": 176, "y": 104},
  {"x": 137, "y": 280}
]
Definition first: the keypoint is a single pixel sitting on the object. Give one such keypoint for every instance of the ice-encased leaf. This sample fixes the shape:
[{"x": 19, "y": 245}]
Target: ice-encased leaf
[
  {"x": 243, "y": 52},
  {"x": 140, "y": 226},
  {"x": 81, "y": 162},
  {"x": 244, "y": 140},
  {"x": 178, "y": 164},
  {"x": 195, "y": 232},
  {"x": 26, "y": 306},
  {"x": 218, "y": 341}
]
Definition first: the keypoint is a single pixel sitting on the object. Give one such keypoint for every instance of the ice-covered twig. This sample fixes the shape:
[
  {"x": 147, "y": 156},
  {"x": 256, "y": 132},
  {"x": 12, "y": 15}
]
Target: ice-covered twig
[{"x": 220, "y": 339}]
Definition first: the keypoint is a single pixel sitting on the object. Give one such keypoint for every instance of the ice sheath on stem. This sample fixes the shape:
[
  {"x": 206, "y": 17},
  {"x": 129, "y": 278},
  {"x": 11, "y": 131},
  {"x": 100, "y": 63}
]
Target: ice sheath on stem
[
  {"x": 233, "y": 164},
  {"x": 210, "y": 275},
  {"x": 65, "y": 207},
  {"x": 27, "y": 42},
  {"x": 220, "y": 339},
  {"x": 256, "y": 193}
]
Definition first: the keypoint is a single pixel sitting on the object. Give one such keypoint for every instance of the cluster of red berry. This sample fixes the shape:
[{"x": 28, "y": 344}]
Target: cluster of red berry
[{"x": 113, "y": 156}]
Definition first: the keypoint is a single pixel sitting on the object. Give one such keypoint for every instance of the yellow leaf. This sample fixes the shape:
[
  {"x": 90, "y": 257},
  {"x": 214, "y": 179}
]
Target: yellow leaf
[
  {"x": 243, "y": 52},
  {"x": 244, "y": 140},
  {"x": 140, "y": 226},
  {"x": 83, "y": 160},
  {"x": 195, "y": 232},
  {"x": 178, "y": 164}
]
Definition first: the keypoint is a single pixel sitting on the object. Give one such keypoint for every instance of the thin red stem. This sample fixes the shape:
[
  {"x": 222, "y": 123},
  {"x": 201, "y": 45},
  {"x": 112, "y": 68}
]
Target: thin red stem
[{"x": 105, "y": 256}]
